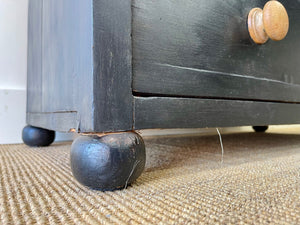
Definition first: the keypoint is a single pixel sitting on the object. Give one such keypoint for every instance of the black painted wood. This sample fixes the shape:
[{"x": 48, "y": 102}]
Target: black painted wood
[
  {"x": 80, "y": 61},
  {"x": 60, "y": 54},
  {"x": 67, "y": 55},
  {"x": 109, "y": 162},
  {"x": 58, "y": 121},
  {"x": 180, "y": 81},
  {"x": 81, "y": 74},
  {"x": 260, "y": 129},
  {"x": 37, "y": 137},
  {"x": 112, "y": 65},
  {"x": 34, "y": 56},
  {"x": 202, "y": 48},
  {"x": 164, "y": 112}
]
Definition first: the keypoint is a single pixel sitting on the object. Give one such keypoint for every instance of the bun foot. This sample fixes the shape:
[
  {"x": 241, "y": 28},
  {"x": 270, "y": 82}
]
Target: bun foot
[
  {"x": 109, "y": 162},
  {"x": 260, "y": 128},
  {"x": 37, "y": 137}
]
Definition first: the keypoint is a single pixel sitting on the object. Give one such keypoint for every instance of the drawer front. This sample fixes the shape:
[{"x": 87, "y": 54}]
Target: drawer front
[{"x": 200, "y": 48}]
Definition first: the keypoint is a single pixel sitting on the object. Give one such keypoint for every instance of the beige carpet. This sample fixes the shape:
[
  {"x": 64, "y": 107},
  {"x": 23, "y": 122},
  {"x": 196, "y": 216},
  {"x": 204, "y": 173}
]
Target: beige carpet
[{"x": 184, "y": 183}]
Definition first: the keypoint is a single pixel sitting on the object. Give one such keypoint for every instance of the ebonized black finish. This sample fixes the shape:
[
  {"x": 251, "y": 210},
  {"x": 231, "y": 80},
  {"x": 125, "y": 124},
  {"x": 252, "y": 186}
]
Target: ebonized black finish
[
  {"x": 109, "y": 162},
  {"x": 260, "y": 129},
  {"x": 58, "y": 121},
  {"x": 165, "y": 112},
  {"x": 79, "y": 60},
  {"x": 37, "y": 137},
  {"x": 112, "y": 66},
  {"x": 174, "y": 81},
  {"x": 203, "y": 48},
  {"x": 87, "y": 60}
]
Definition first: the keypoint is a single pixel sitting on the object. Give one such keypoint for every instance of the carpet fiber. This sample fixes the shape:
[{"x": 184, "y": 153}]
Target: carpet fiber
[{"x": 184, "y": 183}]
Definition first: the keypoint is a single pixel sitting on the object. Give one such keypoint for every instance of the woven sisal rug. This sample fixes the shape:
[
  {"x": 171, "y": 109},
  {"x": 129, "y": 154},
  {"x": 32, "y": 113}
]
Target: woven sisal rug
[{"x": 184, "y": 183}]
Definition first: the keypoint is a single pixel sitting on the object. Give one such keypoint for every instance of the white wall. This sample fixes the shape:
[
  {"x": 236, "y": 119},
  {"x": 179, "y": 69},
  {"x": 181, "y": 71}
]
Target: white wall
[
  {"x": 13, "y": 44},
  {"x": 13, "y": 66}
]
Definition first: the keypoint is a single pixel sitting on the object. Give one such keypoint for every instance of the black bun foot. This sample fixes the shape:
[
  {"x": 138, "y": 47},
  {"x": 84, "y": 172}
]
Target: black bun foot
[
  {"x": 110, "y": 162},
  {"x": 260, "y": 128},
  {"x": 37, "y": 137}
]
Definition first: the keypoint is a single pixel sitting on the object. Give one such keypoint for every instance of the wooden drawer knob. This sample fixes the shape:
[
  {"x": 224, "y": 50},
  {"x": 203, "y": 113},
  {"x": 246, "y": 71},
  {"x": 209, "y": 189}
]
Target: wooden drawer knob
[{"x": 271, "y": 22}]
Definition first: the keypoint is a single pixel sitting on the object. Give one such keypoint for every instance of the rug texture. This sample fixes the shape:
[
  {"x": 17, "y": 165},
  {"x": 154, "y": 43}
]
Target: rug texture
[{"x": 185, "y": 182}]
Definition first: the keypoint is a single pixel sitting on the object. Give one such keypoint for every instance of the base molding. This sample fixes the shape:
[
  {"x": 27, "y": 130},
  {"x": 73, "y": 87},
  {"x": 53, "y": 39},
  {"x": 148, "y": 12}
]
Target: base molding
[{"x": 12, "y": 115}]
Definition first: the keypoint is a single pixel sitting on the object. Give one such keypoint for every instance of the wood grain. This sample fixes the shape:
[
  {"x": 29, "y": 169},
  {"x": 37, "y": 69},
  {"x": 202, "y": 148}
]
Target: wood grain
[
  {"x": 271, "y": 22},
  {"x": 80, "y": 61},
  {"x": 68, "y": 58},
  {"x": 276, "y": 20},
  {"x": 34, "y": 55},
  {"x": 112, "y": 65}
]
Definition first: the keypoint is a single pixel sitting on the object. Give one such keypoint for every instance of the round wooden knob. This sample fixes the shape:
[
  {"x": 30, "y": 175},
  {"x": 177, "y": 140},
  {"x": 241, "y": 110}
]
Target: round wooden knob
[{"x": 271, "y": 22}]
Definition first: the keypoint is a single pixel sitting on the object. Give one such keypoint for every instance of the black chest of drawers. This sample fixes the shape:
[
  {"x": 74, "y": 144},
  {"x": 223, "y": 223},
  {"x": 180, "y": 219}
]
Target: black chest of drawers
[{"x": 107, "y": 66}]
